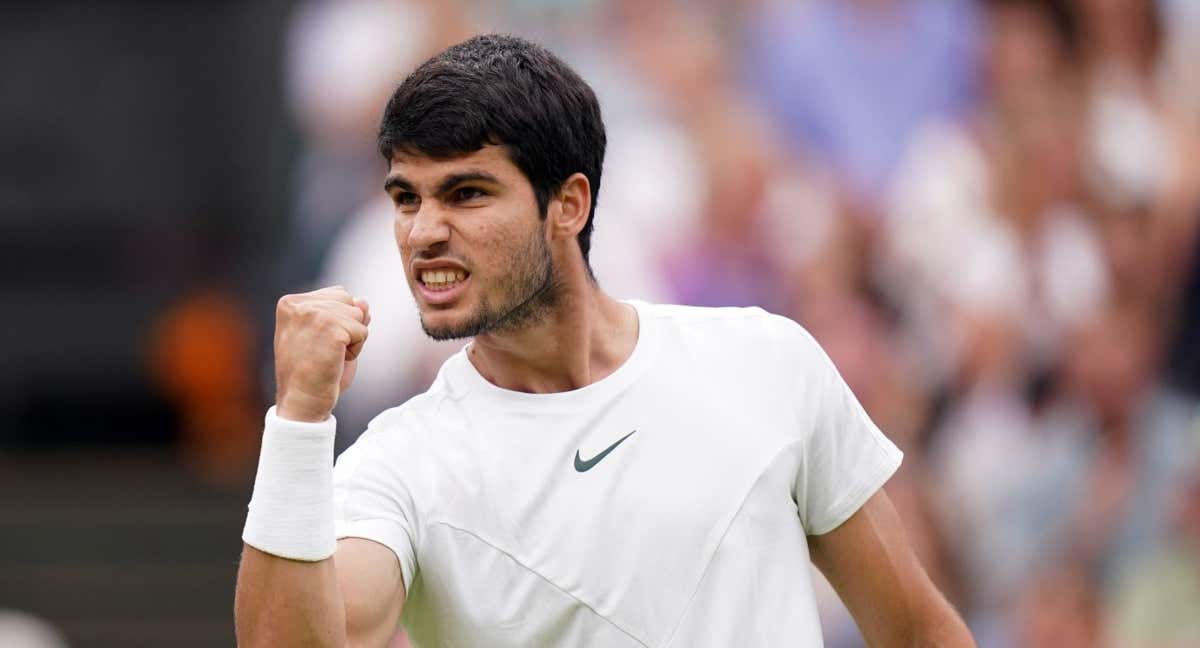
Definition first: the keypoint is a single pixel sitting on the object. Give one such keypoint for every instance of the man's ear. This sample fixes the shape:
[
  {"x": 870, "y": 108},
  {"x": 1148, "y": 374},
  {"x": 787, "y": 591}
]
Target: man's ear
[{"x": 569, "y": 210}]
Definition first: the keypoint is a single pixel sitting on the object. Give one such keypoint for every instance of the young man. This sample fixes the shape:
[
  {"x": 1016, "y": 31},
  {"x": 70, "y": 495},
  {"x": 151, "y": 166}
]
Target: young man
[{"x": 586, "y": 472}]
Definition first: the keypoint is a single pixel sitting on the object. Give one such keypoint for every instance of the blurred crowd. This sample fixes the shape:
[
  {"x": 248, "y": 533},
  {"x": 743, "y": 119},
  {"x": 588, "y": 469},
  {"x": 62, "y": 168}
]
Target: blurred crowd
[{"x": 986, "y": 212}]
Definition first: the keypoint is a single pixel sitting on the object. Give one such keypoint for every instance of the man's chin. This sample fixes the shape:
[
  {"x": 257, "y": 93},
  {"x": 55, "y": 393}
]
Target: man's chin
[{"x": 442, "y": 325}]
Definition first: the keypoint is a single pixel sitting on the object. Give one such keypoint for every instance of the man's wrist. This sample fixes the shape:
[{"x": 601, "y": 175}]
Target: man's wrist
[
  {"x": 302, "y": 409},
  {"x": 291, "y": 511}
]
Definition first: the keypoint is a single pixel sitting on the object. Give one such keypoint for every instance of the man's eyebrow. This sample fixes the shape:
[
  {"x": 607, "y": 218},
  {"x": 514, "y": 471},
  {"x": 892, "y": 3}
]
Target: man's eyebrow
[
  {"x": 455, "y": 179},
  {"x": 397, "y": 182}
]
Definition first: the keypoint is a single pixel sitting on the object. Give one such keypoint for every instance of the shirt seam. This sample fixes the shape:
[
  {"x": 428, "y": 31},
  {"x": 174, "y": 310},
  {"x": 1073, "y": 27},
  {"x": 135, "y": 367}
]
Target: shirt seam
[
  {"x": 841, "y": 511},
  {"x": 729, "y": 525},
  {"x": 549, "y": 582}
]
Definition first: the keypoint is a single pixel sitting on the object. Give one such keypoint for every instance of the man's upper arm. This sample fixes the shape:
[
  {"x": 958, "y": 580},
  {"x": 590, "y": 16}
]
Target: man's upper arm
[
  {"x": 372, "y": 585},
  {"x": 375, "y": 522},
  {"x": 870, "y": 563}
]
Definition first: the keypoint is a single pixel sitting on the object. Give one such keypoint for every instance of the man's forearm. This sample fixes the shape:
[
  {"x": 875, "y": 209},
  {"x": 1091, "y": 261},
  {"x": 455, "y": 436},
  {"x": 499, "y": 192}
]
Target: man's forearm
[
  {"x": 873, "y": 568},
  {"x": 281, "y": 602},
  {"x": 938, "y": 626}
]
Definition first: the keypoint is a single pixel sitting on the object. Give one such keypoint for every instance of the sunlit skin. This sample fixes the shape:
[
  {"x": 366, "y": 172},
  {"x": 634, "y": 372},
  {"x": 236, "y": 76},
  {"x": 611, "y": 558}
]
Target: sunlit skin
[{"x": 541, "y": 324}]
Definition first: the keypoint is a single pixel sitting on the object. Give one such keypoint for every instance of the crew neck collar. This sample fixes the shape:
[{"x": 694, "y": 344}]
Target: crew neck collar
[{"x": 469, "y": 377}]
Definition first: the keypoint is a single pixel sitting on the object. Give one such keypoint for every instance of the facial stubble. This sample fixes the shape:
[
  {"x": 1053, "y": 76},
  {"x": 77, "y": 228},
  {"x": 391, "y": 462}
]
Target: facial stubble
[{"x": 529, "y": 294}]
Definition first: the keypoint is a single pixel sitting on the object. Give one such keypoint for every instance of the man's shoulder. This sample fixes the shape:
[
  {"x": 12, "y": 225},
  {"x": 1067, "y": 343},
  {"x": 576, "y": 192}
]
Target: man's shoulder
[
  {"x": 751, "y": 332},
  {"x": 421, "y": 406},
  {"x": 723, "y": 320},
  {"x": 424, "y": 415},
  {"x": 700, "y": 315}
]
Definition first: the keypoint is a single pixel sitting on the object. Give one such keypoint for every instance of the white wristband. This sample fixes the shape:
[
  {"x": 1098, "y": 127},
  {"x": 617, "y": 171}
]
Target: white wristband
[{"x": 291, "y": 511}]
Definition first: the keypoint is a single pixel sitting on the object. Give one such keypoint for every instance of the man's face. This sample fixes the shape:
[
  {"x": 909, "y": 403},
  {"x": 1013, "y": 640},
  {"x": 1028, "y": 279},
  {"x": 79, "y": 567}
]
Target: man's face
[{"x": 472, "y": 242}]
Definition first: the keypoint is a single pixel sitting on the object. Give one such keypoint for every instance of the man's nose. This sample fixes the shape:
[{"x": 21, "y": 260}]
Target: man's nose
[{"x": 429, "y": 228}]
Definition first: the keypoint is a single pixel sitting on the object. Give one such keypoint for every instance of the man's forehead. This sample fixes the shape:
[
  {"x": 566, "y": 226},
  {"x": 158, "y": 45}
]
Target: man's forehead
[{"x": 421, "y": 168}]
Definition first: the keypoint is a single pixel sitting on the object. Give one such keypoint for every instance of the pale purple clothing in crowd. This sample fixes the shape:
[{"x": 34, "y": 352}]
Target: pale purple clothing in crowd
[
  {"x": 849, "y": 81},
  {"x": 708, "y": 276}
]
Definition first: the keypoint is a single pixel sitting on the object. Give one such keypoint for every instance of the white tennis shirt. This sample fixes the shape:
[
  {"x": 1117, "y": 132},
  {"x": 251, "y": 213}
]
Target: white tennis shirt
[{"x": 664, "y": 506}]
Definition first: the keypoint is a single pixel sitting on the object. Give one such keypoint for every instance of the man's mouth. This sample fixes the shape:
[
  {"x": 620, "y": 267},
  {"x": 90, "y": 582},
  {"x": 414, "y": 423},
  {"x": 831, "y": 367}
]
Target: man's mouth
[{"x": 438, "y": 280}]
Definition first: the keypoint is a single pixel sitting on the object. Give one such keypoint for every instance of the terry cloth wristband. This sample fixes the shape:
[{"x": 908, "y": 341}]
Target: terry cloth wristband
[{"x": 291, "y": 510}]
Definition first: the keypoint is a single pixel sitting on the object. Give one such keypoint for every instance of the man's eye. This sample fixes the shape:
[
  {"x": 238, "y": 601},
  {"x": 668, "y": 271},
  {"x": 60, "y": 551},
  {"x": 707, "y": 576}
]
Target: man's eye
[
  {"x": 468, "y": 193},
  {"x": 407, "y": 199}
]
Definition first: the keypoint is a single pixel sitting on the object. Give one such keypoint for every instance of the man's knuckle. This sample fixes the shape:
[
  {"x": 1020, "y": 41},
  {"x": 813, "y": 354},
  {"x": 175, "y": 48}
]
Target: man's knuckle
[
  {"x": 332, "y": 324},
  {"x": 323, "y": 320}
]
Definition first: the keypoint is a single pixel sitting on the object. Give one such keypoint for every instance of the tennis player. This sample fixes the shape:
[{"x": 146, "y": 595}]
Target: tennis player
[{"x": 587, "y": 471}]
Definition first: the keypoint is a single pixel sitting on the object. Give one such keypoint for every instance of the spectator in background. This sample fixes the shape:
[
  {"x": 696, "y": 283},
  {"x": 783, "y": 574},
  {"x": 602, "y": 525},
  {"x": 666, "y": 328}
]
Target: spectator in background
[
  {"x": 991, "y": 257},
  {"x": 1094, "y": 491},
  {"x": 1115, "y": 444},
  {"x": 720, "y": 259},
  {"x": 721, "y": 262},
  {"x": 1142, "y": 150},
  {"x": 1145, "y": 97},
  {"x": 989, "y": 235},
  {"x": 761, "y": 211},
  {"x": 851, "y": 80}
]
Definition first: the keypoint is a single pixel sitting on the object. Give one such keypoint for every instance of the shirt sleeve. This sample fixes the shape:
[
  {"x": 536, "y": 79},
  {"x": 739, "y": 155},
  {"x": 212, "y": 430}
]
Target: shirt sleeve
[
  {"x": 845, "y": 458},
  {"x": 372, "y": 502}
]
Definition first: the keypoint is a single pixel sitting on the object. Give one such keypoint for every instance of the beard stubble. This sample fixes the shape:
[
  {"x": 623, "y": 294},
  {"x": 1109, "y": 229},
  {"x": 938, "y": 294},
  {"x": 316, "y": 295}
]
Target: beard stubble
[{"x": 529, "y": 294}]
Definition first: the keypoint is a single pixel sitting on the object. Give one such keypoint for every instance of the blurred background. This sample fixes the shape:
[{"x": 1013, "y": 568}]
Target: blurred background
[{"x": 986, "y": 211}]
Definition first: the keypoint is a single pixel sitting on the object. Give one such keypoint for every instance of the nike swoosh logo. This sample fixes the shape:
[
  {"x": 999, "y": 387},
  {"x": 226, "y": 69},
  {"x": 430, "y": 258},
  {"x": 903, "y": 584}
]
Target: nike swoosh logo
[{"x": 584, "y": 466}]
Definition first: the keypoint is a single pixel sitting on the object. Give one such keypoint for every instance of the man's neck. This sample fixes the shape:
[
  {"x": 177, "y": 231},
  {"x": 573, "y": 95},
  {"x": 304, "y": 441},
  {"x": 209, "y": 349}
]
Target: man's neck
[{"x": 581, "y": 340}]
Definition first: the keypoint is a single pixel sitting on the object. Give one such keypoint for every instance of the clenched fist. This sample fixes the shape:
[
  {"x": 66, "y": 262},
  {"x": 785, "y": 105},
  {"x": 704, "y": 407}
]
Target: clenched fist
[{"x": 318, "y": 336}]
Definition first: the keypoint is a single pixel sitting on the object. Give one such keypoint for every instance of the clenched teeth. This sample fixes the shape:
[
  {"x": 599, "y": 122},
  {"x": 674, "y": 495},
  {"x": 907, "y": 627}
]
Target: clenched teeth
[{"x": 442, "y": 278}]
